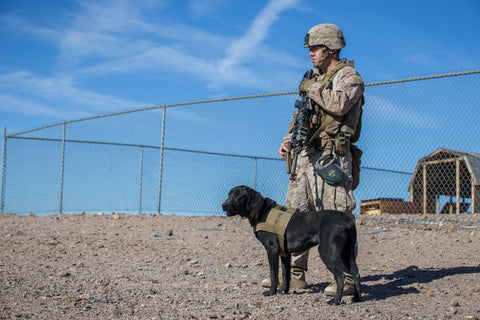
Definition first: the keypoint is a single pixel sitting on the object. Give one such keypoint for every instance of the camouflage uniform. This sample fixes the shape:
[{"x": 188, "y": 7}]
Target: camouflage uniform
[
  {"x": 336, "y": 97},
  {"x": 308, "y": 192}
]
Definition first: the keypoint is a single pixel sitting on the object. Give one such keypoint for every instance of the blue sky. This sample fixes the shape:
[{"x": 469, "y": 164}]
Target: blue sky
[{"x": 65, "y": 59}]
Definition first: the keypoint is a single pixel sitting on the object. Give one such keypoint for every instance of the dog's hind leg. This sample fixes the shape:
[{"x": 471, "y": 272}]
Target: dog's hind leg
[
  {"x": 356, "y": 279},
  {"x": 330, "y": 255},
  {"x": 352, "y": 269},
  {"x": 340, "y": 281},
  {"x": 349, "y": 257}
]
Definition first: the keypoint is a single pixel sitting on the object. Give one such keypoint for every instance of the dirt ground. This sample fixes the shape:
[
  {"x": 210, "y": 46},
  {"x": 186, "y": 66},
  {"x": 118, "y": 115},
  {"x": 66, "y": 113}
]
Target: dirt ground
[{"x": 170, "y": 267}]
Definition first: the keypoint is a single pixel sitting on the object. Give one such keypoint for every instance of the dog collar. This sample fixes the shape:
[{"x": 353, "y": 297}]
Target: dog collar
[{"x": 255, "y": 210}]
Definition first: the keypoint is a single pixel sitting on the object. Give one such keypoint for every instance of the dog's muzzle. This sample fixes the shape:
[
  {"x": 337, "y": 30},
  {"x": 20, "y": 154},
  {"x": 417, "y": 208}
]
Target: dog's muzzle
[{"x": 225, "y": 208}]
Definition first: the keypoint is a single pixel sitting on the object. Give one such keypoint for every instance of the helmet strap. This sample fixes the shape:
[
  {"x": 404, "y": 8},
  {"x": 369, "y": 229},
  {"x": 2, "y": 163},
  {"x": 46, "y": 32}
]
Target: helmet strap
[{"x": 328, "y": 55}]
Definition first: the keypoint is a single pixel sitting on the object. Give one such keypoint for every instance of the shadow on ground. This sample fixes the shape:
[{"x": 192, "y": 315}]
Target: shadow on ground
[{"x": 399, "y": 282}]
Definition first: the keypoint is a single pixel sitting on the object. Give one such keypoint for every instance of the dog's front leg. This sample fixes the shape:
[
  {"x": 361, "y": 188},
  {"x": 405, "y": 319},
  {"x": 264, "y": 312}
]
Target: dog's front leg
[
  {"x": 273, "y": 264},
  {"x": 286, "y": 275}
]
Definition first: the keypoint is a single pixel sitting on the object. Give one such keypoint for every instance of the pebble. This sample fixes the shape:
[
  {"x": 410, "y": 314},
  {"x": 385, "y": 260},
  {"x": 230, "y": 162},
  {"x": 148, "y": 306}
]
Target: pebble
[{"x": 454, "y": 302}]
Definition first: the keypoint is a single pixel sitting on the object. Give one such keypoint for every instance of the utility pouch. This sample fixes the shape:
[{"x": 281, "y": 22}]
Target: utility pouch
[
  {"x": 328, "y": 168},
  {"x": 356, "y": 161},
  {"x": 342, "y": 144},
  {"x": 289, "y": 162}
]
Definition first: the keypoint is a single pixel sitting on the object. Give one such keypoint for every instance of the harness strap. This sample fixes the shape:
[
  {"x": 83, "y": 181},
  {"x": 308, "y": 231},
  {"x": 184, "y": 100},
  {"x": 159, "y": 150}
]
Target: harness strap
[{"x": 277, "y": 222}]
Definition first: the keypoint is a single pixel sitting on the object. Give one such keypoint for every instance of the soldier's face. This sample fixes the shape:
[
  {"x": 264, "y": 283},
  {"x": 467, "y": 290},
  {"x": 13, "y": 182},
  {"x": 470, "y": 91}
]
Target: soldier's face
[{"x": 316, "y": 54}]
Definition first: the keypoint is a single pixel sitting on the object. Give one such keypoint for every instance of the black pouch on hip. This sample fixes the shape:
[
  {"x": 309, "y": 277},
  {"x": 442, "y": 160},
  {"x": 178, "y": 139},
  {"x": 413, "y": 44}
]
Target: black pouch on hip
[{"x": 328, "y": 167}]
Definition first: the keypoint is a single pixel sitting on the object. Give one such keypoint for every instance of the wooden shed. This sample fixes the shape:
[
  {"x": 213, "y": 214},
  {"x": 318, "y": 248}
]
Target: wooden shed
[{"x": 451, "y": 173}]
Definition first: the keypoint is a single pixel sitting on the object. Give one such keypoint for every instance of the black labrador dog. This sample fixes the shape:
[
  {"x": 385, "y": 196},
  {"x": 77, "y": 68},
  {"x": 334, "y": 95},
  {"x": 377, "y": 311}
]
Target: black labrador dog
[{"x": 333, "y": 231}]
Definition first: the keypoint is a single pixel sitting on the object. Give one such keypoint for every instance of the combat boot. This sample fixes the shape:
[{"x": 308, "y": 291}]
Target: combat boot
[
  {"x": 297, "y": 280},
  {"x": 348, "y": 288}
]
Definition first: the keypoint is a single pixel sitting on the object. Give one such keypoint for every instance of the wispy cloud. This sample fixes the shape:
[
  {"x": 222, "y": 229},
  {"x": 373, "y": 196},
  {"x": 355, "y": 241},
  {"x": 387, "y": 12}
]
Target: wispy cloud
[
  {"x": 245, "y": 47},
  {"x": 204, "y": 8},
  {"x": 131, "y": 41},
  {"x": 57, "y": 89},
  {"x": 173, "y": 46},
  {"x": 386, "y": 111},
  {"x": 12, "y": 23},
  {"x": 23, "y": 105}
]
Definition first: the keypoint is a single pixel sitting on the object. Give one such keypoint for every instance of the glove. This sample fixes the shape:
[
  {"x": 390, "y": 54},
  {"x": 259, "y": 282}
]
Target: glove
[{"x": 306, "y": 83}]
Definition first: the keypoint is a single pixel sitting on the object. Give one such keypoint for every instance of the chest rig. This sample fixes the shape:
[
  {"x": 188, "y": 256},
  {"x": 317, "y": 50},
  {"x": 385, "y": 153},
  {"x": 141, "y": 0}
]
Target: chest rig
[{"x": 328, "y": 126}]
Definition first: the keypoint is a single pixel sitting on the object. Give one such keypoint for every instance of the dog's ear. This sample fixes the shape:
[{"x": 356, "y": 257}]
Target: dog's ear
[{"x": 254, "y": 199}]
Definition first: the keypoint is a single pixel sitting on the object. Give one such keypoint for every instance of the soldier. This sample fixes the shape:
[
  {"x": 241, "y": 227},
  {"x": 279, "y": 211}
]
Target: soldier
[{"x": 336, "y": 95}]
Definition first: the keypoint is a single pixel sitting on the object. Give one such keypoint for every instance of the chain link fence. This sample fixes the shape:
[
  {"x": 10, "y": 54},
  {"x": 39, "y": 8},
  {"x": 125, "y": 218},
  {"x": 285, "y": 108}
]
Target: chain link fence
[{"x": 419, "y": 138}]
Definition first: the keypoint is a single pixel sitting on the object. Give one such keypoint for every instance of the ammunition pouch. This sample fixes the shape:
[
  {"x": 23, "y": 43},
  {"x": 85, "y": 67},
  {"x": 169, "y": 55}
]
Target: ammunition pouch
[{"x": 342, "y": 144}]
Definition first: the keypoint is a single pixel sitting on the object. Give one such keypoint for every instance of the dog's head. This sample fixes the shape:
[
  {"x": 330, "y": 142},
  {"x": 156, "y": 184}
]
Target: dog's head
[{"x": 241, "y": 201}]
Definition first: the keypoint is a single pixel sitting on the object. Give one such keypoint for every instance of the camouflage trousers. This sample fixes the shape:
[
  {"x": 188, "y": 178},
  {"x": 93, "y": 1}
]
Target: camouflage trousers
[{"x": 310, "y": 193}]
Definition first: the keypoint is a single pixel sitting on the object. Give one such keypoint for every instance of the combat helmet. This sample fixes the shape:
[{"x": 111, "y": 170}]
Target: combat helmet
[{"x": 325, "y": 34}]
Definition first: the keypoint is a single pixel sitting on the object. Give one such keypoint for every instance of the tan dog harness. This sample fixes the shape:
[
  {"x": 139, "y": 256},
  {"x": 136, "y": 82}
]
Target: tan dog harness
[{"x": 277, "y": 222}]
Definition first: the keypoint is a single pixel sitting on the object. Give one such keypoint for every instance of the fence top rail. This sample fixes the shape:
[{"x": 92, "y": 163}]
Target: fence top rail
[
  {"x": 444, "y": 75},
  {"x": 264, "y": 95}
]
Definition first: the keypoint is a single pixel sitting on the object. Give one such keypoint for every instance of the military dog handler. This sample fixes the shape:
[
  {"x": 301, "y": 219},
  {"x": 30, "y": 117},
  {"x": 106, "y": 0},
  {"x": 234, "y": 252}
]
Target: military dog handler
[{"x": 336, "y": 96}]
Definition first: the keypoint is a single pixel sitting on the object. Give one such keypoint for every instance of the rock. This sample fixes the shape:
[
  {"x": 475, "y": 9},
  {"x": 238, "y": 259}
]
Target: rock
[
  {"x": 64, "y": 274},
  {"x": 454, "y": 302}
]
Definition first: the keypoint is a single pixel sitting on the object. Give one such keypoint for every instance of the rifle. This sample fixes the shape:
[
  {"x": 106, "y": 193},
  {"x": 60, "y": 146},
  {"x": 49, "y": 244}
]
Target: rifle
[{"x": 302, "y": 124}]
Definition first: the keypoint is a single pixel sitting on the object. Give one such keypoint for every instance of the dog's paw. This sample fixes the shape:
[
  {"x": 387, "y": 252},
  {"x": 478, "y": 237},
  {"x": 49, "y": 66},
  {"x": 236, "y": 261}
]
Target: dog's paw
[
  {"x": 334, "y": 301},
  {"x": 356, "y": 298},
  {"x": 269, "y": 293},
  {"x": 284, "y": 290}
]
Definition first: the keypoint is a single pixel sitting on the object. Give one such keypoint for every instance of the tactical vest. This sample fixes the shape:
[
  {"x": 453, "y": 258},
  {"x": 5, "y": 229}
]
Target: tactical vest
[
  {"x": 327, "y": 125},
  {"x": 277, "y": 222}
]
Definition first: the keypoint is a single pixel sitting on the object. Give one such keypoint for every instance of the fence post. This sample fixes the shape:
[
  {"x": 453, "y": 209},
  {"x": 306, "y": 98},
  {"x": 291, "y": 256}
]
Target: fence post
[
  {"x": 62, "y": 169},
  {"x": 160, "y": 169},
  {"x": 4, "y": 166},
  {"x": 140, "y": 182},
  {"x": 255, "y": 174}
]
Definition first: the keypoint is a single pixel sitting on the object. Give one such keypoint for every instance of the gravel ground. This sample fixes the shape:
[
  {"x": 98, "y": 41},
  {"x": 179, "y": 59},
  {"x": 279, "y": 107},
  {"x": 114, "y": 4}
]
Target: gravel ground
[{"x": 169, "y": 267}]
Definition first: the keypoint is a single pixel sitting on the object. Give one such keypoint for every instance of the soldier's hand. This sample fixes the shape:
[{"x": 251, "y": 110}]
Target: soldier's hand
[
  {"x": 306, "y": 83},
  {"x": 283, "y": 151}
]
